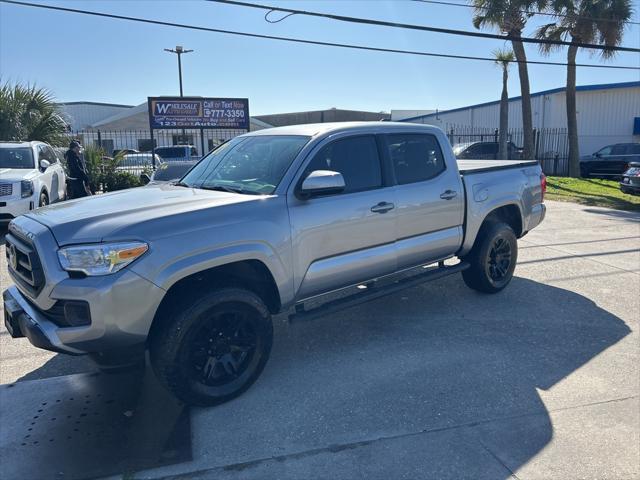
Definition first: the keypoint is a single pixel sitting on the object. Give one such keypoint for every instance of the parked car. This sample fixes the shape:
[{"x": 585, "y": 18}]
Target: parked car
[
  {"x": 265, "y": 223},
  {"x": 177, "y": 153},
  {"x": 124, "y": 151},
  {"x": 169, "y": 172},
  {"x": 485, "y": 151},
  {"x": 137, "y": 163},
  {"x": 31, "y": 176},
  {"x": 631, "y": 179},
  {"x": 610, "y": 161}
]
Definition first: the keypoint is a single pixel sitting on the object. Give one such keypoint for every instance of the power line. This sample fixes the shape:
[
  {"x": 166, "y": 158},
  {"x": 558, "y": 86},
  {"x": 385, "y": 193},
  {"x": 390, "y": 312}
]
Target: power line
[
  {"x": 525, "y": 12},
  {"x": 449, "y": 31},
  {"x": 295, "y": 40}
]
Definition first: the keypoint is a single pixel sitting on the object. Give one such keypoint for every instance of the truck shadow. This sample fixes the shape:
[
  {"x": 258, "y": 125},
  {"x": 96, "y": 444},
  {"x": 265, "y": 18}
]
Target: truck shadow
[{"x": 433, "y": 358}]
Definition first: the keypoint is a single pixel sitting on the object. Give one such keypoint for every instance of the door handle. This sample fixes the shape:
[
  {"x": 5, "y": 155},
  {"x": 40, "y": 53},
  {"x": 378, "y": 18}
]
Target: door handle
[
  {"x": 382, "y": 207},
  {"x": 448, "y": 194}
]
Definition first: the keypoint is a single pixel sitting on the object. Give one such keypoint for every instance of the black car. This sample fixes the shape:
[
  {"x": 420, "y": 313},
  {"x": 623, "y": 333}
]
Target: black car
[
  {"x": 611, "y": 161},
  {"x": 631, "y": 179},
  {"x": 485, "y": 151}
]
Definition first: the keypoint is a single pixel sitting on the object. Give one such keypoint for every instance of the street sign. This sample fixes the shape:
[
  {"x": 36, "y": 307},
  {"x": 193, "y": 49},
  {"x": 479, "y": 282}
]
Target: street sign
[{"x": 198, "y": 112}]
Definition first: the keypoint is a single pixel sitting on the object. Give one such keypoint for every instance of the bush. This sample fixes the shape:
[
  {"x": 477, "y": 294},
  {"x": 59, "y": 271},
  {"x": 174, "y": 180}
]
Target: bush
[{"x": 103, "y": 173}]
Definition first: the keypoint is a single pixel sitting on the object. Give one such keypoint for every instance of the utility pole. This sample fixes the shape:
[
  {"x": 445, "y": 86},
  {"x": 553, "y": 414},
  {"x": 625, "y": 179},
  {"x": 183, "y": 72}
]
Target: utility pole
[{"x": 179, "y": 50}]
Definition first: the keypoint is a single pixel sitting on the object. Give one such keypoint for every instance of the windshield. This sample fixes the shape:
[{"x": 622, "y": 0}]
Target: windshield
[
  {"x": 171, "y": 152},
  {"x": 19, "y": 157},
  {"x": 459, "y": 148},
  {"x": 253, "y": 164},
  {"x": 171, "y": 171}
]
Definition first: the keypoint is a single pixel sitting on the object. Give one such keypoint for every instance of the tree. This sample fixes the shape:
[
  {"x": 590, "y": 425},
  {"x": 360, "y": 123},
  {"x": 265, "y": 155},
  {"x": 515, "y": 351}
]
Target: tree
[
  {"x": 503, "y": 59},
  {"x": 510, "y": 17},
  {"x": 30, "y": 113},
  {"x": 587, "y": 21}
]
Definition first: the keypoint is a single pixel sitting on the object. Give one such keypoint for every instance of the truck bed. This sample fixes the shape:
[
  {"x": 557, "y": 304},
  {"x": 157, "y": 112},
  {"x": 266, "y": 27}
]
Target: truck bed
[{"x": 481, "y": 166}]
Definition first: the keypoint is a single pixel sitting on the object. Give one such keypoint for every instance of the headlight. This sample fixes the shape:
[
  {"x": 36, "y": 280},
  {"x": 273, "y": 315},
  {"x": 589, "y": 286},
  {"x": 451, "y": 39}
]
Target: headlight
[
  {"x": 26, "y": 188},
  {"x": 100, "y": 259}
]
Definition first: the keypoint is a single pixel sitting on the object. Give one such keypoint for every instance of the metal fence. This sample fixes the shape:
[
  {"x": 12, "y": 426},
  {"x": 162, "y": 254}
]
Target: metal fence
[
  {"x": 140, "y": 140},
  {"x": 551, "y": 146}
]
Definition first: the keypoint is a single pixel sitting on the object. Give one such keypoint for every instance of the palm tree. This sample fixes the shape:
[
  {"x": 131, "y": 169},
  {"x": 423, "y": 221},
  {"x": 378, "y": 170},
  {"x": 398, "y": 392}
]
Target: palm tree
[
  {"x": 587, "y": 21},
  {"x": 30, "y": 113},
  {"x": 503, "y": 59},
  {"x": 510, "y": 17}
]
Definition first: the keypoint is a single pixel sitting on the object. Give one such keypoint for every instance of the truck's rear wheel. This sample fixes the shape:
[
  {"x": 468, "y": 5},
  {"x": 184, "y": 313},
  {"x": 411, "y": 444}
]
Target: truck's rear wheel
[
  {"x": 492, "y": 259},
  {"x": 212, "y": 350}
]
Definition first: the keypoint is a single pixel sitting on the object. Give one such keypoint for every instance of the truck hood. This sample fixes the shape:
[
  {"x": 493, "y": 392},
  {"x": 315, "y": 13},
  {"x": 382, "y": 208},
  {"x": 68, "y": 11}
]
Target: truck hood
[
  {"x": 139, "y": 213},
  {"x": 17, "y": 174}
]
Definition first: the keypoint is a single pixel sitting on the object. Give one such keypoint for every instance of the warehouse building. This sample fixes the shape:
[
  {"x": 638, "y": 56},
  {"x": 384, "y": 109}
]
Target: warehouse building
[
  {"x": 81, "y": 115},
  {"x": 607, "y": 114}
]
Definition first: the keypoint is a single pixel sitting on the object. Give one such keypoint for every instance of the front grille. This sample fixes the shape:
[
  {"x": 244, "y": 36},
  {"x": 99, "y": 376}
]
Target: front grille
[
  {"x": 24, "y": 264},
  {"x": 6, "y": 189}
]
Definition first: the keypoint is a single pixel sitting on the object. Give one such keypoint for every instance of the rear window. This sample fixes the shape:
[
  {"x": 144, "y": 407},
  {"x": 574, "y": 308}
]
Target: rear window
[
  {"x": 415, "y": 158},
  {"x": 171, "y": 171},
  {"x": 171, "y": 152},
  {"x": 20, "y": 158},
  {"x": 633, "y": 149}
]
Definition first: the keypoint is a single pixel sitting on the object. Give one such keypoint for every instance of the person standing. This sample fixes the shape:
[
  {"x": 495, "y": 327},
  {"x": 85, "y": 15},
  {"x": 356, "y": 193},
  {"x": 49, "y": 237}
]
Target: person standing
[{"x": 78, "y": 175}]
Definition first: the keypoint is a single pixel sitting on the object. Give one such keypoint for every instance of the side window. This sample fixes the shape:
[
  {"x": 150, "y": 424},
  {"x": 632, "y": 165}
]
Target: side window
[
  {"x": 619, "y": 150},
  {"x": 51, "y": 155},
  {"x": 42, "y": 153},
  {"x": 415, "y": 157},
  {"x": 633, "y": 149},
  {"x": 356, "y": 158},
  {"x": 605, "y": 151}
]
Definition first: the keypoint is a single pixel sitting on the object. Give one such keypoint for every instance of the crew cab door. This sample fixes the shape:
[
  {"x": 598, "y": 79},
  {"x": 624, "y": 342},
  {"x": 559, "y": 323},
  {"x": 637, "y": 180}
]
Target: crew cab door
[
  {"x": 429, "y": 198},
  {"x": 347, "y": 237}
]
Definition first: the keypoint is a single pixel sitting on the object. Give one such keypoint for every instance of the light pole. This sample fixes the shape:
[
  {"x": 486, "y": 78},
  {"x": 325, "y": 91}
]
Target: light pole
[{"x": 179, "y": 51}]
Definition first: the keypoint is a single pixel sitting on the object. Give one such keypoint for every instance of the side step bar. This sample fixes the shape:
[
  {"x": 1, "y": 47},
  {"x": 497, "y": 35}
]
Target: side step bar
[{"x": 372, "y": 292}]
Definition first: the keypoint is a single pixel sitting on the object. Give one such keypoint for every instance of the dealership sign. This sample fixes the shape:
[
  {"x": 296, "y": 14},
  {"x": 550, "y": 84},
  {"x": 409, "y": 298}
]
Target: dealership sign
[{"x": 198, "y": 112}]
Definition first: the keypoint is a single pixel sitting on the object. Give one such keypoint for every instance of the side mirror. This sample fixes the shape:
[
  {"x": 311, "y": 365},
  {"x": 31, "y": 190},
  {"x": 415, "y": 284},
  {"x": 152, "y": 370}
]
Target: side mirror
[
  {"x": 144, "y": 178},
  {"x": 322, "y": 182},
  {"x": 597, "y": 155},
  {"x": 44, "y": 164}
]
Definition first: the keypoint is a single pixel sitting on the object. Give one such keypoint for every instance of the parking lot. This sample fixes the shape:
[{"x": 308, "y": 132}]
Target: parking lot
[{"x": 539, "y": 381}]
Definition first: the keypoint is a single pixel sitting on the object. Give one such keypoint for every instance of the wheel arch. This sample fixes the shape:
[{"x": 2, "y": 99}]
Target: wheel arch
[
  {"x": 509, "y": 212},
  {"x": 251, "y": 274}
]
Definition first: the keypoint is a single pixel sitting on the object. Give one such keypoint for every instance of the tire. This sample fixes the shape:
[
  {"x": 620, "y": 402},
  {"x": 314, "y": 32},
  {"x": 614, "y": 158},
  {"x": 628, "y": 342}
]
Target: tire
[
  {"x": 210, "y": 351},
  {"x": 44, "y": 200},
  {"x": 492, "y": 259}
]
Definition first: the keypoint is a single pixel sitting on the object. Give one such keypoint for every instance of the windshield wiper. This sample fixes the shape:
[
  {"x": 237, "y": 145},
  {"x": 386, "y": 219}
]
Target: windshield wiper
[
  {"x": 180, "y": 184},
  {"x": 224, "y": 188}
]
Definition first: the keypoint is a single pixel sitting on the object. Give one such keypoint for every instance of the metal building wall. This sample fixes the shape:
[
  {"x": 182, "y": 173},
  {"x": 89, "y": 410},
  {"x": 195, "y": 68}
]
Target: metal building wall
[
  {"x": 81, "y": 115},
  {"x": 605, "y": 116}
]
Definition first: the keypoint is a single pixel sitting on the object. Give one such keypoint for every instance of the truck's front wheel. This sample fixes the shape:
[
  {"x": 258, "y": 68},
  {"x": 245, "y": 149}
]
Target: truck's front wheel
[
  {"x": 212, "y": 350},
  {"x": 492, "y": 259}
]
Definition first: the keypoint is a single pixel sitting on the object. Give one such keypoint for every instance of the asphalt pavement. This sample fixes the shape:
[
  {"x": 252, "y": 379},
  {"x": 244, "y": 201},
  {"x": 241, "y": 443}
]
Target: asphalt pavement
[{"x": 540, "y": 381}]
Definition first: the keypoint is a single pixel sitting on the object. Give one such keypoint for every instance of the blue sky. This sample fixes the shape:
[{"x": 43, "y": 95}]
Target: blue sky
[{"x": 104, "y": 60}]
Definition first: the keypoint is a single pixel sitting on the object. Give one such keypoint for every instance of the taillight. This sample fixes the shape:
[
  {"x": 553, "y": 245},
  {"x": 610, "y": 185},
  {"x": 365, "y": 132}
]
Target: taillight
[{"x": 543, "y": 185}]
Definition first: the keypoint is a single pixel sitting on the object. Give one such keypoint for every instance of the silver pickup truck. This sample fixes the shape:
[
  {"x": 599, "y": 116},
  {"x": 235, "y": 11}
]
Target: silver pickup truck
[{"x": 304, "y": 219}]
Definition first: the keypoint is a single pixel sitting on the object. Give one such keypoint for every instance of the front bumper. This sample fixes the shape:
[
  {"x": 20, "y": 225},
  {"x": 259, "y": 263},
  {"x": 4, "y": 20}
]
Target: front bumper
[
  {"x": 122, "y": 305},
  {"x": 11, "y": 208},
  {"x": 22, "y": 320}
]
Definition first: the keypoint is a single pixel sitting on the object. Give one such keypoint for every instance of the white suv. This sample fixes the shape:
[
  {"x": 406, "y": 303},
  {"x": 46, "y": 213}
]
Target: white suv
[{"x": 31, "y": 176}]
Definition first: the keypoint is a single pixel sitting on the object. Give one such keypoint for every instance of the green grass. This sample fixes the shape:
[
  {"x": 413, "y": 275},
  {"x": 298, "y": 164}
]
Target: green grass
[{"x": 591, "y": 191}]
